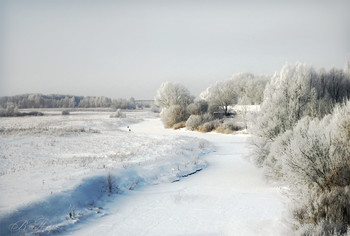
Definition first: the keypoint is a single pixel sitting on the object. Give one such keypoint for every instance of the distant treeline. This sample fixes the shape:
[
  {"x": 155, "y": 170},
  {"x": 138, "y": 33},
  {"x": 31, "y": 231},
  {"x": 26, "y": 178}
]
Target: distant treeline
[{"x": 67, "y": 101}]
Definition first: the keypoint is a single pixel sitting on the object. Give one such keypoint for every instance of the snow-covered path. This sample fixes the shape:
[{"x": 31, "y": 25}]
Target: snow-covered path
[{"x": 229, "y": 197}]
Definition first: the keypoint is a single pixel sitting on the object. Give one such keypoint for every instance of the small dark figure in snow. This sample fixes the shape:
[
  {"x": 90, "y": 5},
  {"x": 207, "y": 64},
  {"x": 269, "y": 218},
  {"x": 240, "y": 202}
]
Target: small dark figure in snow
[
  {"x": 70, "y": 215},
  {"x": 128, "y": 128}
]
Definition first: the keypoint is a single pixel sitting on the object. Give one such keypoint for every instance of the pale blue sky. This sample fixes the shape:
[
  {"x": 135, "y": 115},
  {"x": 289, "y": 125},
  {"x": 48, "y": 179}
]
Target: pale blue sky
[{"x": 128, "y": 48}]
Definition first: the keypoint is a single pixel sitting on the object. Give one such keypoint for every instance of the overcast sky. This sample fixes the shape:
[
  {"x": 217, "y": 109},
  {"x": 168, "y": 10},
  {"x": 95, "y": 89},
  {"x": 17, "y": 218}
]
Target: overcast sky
[{"x": 128, "y": 48}]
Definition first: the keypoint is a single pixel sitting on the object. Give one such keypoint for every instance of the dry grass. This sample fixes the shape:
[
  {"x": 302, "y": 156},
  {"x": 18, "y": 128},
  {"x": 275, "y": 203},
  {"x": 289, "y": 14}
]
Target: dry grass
[{"x": 179, "y": 125}]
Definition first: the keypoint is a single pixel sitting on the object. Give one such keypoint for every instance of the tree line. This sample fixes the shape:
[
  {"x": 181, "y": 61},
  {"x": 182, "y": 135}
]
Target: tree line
[{"x": 65, "y": 101}]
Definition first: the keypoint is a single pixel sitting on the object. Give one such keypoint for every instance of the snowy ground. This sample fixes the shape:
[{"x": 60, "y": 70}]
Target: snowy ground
[{"x": 53, "y": 166}]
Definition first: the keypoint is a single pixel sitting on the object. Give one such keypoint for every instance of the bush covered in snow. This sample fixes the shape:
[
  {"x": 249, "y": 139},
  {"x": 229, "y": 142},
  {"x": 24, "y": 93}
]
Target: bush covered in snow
[
  {"x": 173, "y": 115},
  {"x": 194, "y": 121},
  {"x": 65, "y": 113},
  {"x": 317, "y": 167},
  {"x": 198, "y": 108},
  {"x": 209, "y": 126},
  {"x": 207, "y": 123},
  {"x": 10, "y": 110},
  {"x": 118, "y": 114},
  {"x": 229, "y": 125}
]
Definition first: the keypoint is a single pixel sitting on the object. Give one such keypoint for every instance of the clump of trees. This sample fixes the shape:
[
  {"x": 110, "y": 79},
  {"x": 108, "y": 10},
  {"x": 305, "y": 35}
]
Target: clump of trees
[
  {"x": 302, "y": 138},
  {"x": 242, "y": 88},
  {"x": 212, "y": 111}
]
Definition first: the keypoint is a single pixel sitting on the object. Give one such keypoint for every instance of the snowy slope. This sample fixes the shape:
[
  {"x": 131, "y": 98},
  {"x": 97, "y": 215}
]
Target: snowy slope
[{"x": 227, "y": 198}]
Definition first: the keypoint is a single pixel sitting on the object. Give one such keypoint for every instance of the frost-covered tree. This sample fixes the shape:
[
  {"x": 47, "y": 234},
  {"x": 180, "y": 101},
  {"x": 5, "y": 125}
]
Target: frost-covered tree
[
  {"x": 221, "y": 94},
  {"x": 173, "y": 94},
  {"x": 249, "y": 87},
  {"x": 173, "y": 99}
]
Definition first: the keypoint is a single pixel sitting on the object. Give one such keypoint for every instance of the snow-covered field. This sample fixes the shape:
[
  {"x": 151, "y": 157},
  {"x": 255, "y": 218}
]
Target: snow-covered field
[{"x": 54, "y": 179}]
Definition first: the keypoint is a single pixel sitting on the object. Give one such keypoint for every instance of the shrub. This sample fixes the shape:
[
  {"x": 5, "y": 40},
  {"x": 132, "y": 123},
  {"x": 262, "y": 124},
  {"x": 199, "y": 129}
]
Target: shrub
[
  {"x": 227, "y": 126},
  {"x": 316, "y": 166},
  {"x": 193, "y": 122},
  {"x": 209, "y": 126},
  {"x": 10, "y": 110},
  {"x": 65, "y": 112},
  {"x": 172, "y": 115},
  {"x": 112, "y": 187},
  {"x": 206, "y": 127},
  {"x": 118, "y": 114},
  {"x": 331, "y": 207},
  {"x": 273, "y": 161},
  {"x": 198, "y": 108},
  {"x": 232, "y": 125}
]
